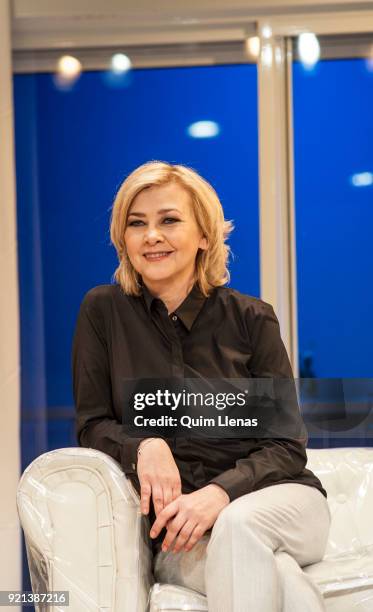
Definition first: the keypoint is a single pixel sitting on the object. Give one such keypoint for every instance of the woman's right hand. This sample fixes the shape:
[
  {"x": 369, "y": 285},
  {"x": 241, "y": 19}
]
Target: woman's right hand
[{"x": 158, "y": 474}]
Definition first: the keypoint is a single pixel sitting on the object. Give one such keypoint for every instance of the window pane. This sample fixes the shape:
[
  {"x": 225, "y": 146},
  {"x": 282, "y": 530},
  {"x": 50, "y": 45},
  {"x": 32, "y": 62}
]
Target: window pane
[{"x": 333, "y": 131}]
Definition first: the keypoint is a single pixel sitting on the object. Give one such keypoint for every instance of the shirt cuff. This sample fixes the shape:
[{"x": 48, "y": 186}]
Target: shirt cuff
[
  {"x": 129, "y": 455},
  {"x": 233, "y": 482}
]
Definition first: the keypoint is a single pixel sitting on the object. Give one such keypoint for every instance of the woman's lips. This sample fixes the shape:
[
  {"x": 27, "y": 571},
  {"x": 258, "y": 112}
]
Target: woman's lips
[{"x": 157, "y": 256}]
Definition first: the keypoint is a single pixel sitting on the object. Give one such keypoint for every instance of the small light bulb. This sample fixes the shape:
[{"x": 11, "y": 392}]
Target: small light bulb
[
  {"x": 120, "y": 63},
  {"x": 308, "y": 49},
  {"x": 253, "y": 45},
  {"x": 69, "y": 66}
]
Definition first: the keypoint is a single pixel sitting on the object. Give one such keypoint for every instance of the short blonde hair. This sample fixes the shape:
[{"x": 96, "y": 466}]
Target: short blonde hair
[{"x": 211, "y": 264}]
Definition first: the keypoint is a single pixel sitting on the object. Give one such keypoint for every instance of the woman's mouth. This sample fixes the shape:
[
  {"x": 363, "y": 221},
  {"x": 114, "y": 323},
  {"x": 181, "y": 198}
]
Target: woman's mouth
[{"x": 157, "y": 256}]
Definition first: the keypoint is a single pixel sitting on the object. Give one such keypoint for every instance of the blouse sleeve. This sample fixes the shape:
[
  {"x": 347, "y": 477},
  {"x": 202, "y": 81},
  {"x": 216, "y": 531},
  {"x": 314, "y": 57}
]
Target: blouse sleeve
[
  {"x": 96, "y": 424},
  {"x": 270, "y": 460}
]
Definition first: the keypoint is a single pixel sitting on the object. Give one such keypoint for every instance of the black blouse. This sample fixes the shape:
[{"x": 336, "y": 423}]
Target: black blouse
[{"x": 227, "y": 335}]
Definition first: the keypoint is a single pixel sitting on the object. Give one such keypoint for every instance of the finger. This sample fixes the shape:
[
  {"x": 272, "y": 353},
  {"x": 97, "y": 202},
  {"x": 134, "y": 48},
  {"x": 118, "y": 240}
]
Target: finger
[
  {"x": 173, "y": 529},
  {"x": 157, "y": 498},
  {"x": 176, "y": 491},
  {"x": 167, "y": 496},
  {"x": 184, "y": 535},
  {"x": 195, "y": 536},
  {"x": 145, "y": 497},
  {"x": 163, "y": 518}
]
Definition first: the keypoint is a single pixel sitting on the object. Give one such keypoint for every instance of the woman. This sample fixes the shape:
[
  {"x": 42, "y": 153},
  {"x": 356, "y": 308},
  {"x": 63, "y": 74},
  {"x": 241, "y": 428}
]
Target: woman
[{"x": 246, "y": 509}]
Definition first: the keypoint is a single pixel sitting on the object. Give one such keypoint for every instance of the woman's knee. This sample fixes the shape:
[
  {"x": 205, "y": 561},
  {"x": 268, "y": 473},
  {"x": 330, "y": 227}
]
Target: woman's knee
[{"x": 232, "y": 522}]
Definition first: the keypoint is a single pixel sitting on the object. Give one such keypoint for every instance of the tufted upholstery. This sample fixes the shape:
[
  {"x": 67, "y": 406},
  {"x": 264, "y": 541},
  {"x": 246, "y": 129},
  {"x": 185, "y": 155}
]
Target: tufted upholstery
[
  {"x": 85, "y": 533},
  {"x": 345, "y": 576}
]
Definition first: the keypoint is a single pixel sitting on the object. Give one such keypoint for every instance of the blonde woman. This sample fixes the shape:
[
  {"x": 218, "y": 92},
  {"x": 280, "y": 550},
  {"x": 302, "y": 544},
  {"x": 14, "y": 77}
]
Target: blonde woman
[{"x": 247, "y": 510}]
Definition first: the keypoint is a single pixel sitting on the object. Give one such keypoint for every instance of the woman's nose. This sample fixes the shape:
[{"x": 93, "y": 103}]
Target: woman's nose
[{"x": 153, "y": 234}]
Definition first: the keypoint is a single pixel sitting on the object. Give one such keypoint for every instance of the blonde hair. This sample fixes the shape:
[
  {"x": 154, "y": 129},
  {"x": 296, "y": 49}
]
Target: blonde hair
[{"x": 211, "y": 264}]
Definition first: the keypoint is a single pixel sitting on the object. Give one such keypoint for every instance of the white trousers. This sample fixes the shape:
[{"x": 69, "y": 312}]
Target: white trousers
[{"x": 251, "y": 560}]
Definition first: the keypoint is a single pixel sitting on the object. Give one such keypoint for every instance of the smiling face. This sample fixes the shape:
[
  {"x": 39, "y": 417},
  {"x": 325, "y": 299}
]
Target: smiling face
[{"x": 162, "y": 237}]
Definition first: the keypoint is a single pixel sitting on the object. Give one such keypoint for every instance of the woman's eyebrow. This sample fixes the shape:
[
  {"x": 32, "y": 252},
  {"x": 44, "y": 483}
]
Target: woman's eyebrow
[{"x": 160, "y": 212}]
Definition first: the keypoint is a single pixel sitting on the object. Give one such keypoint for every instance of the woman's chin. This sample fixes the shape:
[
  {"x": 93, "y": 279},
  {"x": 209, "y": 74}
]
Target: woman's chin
[{"x": 157, "y": 275}]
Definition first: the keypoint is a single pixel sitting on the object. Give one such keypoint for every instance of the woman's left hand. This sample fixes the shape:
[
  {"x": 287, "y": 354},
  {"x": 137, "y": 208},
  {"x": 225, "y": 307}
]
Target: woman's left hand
[{"x": 193, "y": 514}]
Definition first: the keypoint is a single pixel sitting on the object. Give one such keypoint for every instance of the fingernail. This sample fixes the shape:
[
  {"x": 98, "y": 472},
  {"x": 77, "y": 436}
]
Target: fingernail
[{"x": 152, "y": 534}]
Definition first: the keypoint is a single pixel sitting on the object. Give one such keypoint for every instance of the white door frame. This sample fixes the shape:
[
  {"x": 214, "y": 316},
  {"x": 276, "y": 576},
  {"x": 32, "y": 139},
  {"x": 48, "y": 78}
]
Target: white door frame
[{"x": 10, "y": 556}]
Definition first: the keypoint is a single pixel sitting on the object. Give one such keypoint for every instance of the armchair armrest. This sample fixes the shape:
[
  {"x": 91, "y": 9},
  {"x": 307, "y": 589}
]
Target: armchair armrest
[{"x": 84, "y": 531}]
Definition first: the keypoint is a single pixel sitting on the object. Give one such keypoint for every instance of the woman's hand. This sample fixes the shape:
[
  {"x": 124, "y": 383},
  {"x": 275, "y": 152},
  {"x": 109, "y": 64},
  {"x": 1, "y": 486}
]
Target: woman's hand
[
  {"x": 158, "y": 475},
  {"x": 193, "y": 514}
]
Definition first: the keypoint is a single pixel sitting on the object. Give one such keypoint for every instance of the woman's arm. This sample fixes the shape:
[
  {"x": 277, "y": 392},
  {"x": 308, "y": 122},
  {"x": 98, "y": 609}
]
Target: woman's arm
[
  {"x": 270, "y": 460},
  {"x": 96, "y": 424}
]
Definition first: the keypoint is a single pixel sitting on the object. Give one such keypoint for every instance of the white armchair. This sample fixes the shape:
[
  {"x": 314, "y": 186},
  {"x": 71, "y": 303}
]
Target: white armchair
[{"x": 85, "y": 534}]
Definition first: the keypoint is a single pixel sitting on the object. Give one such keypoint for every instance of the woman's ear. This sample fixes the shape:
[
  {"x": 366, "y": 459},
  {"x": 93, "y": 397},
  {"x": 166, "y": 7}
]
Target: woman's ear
[{"x": 203, "y": 243}]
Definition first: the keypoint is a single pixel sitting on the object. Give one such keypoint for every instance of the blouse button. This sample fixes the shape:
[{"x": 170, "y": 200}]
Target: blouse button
[{"x": 174, "y": 318}]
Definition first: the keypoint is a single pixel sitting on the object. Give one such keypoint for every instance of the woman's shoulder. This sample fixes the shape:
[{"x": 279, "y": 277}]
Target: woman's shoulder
[
  {"x": 101, "y": 297},
  {"x": 249, "y": 311},
  {"x": 243, "y": 301}
]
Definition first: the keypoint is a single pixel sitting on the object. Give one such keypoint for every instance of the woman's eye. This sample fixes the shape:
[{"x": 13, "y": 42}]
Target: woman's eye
[
  {"x": 138, "y": 222},
  {"x": 172, "y": 219}
]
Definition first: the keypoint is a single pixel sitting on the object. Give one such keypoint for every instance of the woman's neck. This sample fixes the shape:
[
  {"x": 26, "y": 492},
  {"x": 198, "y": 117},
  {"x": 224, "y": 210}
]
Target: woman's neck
[{"x": 172, "y": 294}]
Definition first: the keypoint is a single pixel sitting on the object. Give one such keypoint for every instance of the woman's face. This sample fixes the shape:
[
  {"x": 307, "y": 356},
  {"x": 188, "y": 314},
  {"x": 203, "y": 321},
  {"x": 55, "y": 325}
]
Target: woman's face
[{"x": 162, "y": 237}]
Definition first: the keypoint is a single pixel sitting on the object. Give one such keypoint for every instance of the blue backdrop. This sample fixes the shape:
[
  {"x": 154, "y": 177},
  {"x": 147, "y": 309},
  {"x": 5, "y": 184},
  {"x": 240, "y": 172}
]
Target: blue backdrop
[{"x": 74, "y": 148}]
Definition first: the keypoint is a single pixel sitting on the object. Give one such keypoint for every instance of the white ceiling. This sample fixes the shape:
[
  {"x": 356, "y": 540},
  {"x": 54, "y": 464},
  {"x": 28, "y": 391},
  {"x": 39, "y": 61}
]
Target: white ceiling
[
  {"x": 52, "y": 24},
  {"x": 171, "y": 9}
]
